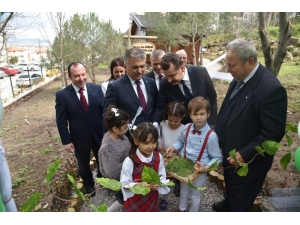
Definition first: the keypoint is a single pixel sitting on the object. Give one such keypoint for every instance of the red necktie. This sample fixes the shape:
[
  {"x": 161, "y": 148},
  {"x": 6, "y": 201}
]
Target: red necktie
[
  {"x": 83, "y": 101},
  {"x": 141, "y": 95},
  {"x": 196, "y": 131},
  {"x": 161, "y": 77}
]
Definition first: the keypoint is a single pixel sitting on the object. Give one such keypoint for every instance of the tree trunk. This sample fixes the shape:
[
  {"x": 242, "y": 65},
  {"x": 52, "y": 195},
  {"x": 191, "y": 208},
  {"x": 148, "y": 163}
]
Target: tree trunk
[
  {"x": 285, "y": 32},
  {"x": 265, "y": 43},
  {"x": 194, "y": 51}
]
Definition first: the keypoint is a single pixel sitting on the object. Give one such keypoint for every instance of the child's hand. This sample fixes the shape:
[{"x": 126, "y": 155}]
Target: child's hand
[
  {"x": 200, "y": 168},
  {"x": 169, "y": 151},
  {"x": 153, "y": 186}
]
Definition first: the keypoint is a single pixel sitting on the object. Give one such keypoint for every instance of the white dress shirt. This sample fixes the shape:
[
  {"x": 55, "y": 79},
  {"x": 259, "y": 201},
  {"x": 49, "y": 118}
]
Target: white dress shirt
[
  {"x": 157, "y": 80},
  {"x": 84, "y": 93},
  {"x": 186, "y": 80},
  {"x": 143, "y": 87}
]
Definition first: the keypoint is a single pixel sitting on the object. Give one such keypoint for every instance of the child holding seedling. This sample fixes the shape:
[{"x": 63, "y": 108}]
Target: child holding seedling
[
  {"x": 142, "y": 153},
  {"x": 198, "y": 143},
  {"x": 170, "y": 130},
  {"x": 114, "y": 149}
]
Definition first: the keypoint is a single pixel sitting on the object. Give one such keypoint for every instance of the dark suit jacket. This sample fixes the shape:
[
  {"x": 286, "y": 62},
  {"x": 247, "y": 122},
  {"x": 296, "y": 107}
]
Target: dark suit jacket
[
  {"x": 259, "y": 115},
  {"x": 151, "y": 75},
  {"x": 202, "y": 85},
  {"x": 73, "y": 123},
  {"x": 121, "y": 94}
]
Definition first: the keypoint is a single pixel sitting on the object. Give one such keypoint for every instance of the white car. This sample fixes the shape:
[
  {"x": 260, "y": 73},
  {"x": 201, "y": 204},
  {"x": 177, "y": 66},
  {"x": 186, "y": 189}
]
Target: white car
[
  {"x": 23, "y": 80},
  {"x": 31, "y": 67}
]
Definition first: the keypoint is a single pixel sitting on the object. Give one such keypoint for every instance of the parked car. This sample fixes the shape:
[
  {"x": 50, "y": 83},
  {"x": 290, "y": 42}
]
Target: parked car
[
  {"x": 50, "y": 73},
  {"x": 6, "y": 68},
  {"x": 12, "y": 71},
  {"x": 20, "y": 68},
  {"x": 31, "y": 67},
  {"x": 23, "y": 80}
]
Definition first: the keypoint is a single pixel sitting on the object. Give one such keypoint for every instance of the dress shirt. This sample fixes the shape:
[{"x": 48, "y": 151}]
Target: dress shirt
[
  {"x": 143, "y": 87},
  {"x": 250, "y": 75},
  {"x": 186, "y": 80},
  {"x": 84, "y": 93},
  {"x": 157, "y": 80},
  {"x": 194, "y": 144},
  {"x": 126, "y": 175}
]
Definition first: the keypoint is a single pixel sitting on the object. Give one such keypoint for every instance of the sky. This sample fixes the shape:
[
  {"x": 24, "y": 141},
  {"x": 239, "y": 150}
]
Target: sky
[{"x": 118, "y": 11}]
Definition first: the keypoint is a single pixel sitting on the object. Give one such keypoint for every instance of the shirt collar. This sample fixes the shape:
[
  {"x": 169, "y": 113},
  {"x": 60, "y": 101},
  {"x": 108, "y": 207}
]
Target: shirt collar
[
  {"x": 142, "y": 157},
  {"x": 204, "y": 128},
  {"x": 77, "y": 88},
  {"x": 133, "y": 81},
  {"x": 157, "y": 75},
  {"x": 251, "y": 74},
  {"x": 186, "y": 75}
]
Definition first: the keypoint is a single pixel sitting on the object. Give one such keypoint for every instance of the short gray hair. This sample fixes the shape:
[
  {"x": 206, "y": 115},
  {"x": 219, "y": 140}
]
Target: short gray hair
[
  {"x": 243, "y": 48},
  {"x": 157, "y": 53},
  {"x": 181, "y": 51},
  {"x": 134, "y": 53}
]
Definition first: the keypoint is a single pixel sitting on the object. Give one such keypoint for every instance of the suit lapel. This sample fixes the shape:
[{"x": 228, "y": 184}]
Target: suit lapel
[
  {"x": 245, "y": 96},
  {"x": 74, "y": 96},
  {"x": 195, "y": 83},
  {"x": 148, "y": 90},
  {"x": 129, "y": 88}
]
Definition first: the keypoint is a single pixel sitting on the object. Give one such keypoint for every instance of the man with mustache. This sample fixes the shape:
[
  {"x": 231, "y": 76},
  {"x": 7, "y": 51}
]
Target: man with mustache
[{"x": 133, "y": 90}]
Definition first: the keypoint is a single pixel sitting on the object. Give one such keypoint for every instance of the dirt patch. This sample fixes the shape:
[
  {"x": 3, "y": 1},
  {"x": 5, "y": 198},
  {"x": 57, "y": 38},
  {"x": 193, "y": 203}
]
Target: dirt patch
[{"x": 31, "y": 141}]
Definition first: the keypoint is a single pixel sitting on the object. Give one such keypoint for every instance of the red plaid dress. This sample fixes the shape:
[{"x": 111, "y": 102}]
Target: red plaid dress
[{"x": 149, "y": 202}]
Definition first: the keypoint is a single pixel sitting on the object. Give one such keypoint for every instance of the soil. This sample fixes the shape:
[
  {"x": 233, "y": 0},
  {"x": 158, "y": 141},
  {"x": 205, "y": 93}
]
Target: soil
[{"x": 30, "y": 138}]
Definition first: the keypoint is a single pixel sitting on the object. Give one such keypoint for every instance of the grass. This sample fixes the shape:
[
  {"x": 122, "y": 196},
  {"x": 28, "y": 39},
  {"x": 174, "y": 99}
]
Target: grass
[
  {"x": 18, "y": 181},
  {"x": 46, "y": 150},
  {"x": 23, "y": 170}
]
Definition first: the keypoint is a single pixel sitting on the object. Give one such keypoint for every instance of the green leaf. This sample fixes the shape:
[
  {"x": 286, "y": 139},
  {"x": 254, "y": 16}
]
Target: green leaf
[
  {"x": 232, "y": 154},
  {"x": 285, "y": 160},
  {"x": 181, "y": 166},
  {"x": 150, "y": 176},
  {"x": 140, "y": 189},
  {"x": 214, "y": 165},
  {"x": 77, "y": 191},
  {"x": 192, "y": 186},
  {"x": 101, "y": 208},
  {"x": 289, "y": 139},
  {"x": 290, "y": 127},
  {"x": 243, "y": 171},
  {"x": 170, "y": 184},
  {"x": 271, "y": 147},
  {"x": 30, "y": 204},
  {"x": 110, "y": 183},
  {"x": 260, "y": 150},
  {"x": 52, "y": 170}
]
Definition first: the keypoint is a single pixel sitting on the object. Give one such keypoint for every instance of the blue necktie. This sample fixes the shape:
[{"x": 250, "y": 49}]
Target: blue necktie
[
  {"x": 237, "y": 88},
  {"x": 186, "y": 90}
]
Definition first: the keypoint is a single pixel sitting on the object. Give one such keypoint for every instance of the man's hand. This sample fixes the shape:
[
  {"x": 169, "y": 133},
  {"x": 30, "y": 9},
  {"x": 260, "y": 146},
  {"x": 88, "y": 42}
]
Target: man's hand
[
  {"x": 170, "y": 151},
  {"x": 69, "y": 148},
  {"x": 239, "y": 158}
]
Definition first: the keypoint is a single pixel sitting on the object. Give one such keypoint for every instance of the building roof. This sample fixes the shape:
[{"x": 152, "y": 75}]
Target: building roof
[{"x": 15, "y": 49}]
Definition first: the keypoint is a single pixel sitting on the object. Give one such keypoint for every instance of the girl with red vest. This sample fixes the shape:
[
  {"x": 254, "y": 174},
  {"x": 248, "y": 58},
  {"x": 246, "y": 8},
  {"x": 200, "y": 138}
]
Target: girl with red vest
[{"x": 142, "y": 153}]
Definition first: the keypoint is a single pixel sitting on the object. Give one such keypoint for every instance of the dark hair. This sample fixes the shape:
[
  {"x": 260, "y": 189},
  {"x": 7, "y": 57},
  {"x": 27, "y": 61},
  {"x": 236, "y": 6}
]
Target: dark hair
[
  {"x": 198, "y": 103},
  {"x": 73, "y": 64},
  {"x": 116, "y": 62},
  {"x": 174, "y": 109},
  {"x": 111, "y": 120},
  {"x": 169, "y": 58},
  {"x": 141, "y": 133}
]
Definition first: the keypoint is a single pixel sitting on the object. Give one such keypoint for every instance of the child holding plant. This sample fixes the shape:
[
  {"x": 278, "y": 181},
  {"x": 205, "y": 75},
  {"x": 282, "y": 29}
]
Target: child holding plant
[
  {"x": 198, "y": 143},
  {"x": 114, "y": 149},
  {"x": 170, "y": 130},
  {"x": 142, "y": 153}
]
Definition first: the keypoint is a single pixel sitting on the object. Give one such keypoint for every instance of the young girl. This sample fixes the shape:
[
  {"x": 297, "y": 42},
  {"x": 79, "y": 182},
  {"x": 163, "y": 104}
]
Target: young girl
[
  {"x": 141, "y": 154},
  {"x": 114, "y": 149},
  {"x": 198, "y": 143},
  {"x": 170, "y": 130}
]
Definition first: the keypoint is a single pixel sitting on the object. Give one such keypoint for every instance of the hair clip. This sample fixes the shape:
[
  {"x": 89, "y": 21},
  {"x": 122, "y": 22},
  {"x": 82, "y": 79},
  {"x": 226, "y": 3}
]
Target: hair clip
[{"x": 115, "y": 110}]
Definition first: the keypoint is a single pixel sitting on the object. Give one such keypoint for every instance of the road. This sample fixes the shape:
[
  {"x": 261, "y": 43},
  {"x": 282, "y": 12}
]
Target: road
[{"x": 8, "y": 85}]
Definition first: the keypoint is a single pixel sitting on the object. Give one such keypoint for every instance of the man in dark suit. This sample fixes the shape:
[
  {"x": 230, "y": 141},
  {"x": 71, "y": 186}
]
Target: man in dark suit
[
  {"x": 254, "y": 110},
  {"x": 181, "y": 84},
  {"x": 79, "y": 109},
  {"x": 156, "y": 74},
  {"x": 133, "y": 90}
]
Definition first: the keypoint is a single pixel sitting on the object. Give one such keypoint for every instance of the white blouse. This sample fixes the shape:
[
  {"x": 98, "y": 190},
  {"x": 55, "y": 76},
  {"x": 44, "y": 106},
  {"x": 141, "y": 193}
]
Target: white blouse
[{"x": 126, "y": 175}]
